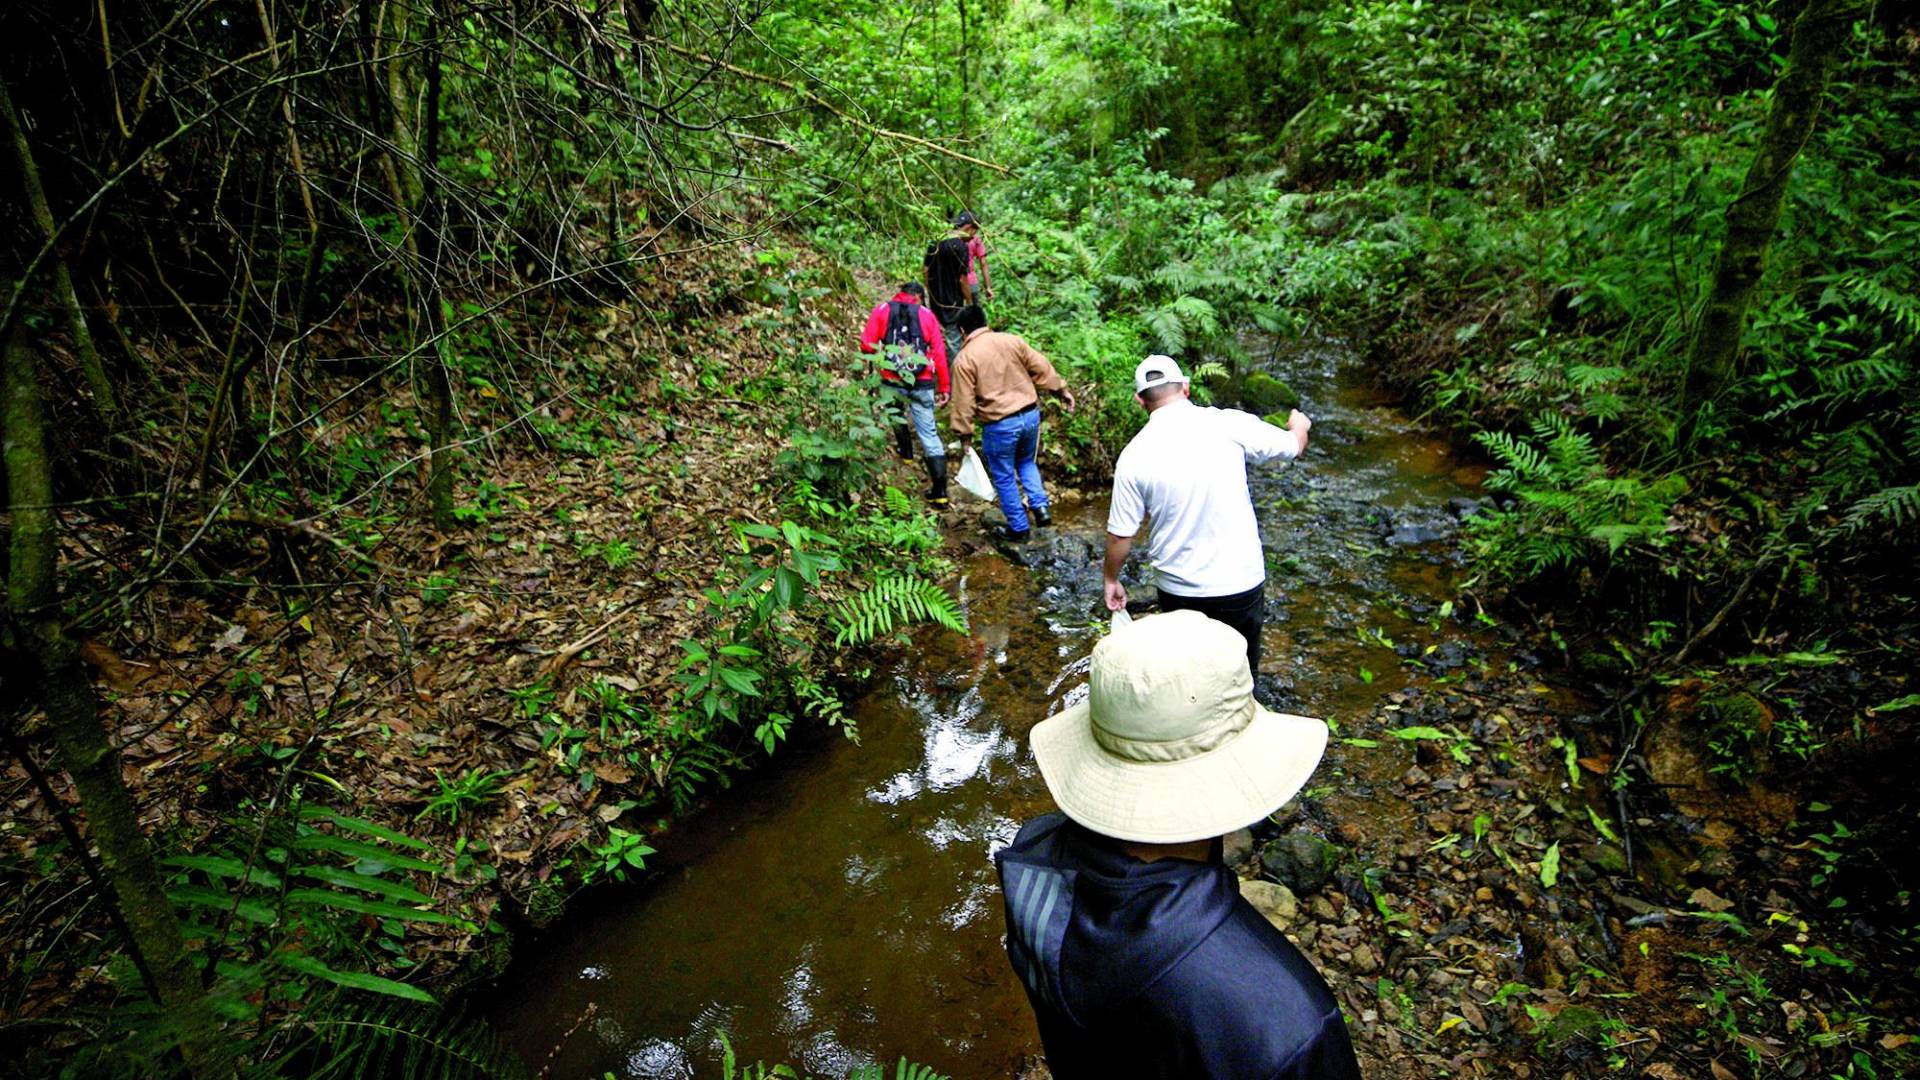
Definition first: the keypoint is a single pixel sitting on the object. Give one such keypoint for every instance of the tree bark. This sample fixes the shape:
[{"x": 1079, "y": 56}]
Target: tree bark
[
  {"x": 1713, "y": 358},
  {"x": 72, "y": 714},
  {"x": 439, "y": 393},
  {"x": 105, "y": 401}
]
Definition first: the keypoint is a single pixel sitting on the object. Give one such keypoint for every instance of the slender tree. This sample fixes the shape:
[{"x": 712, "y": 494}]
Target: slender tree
[
  {"x": 35, "y": 632},
  {"x": 1819, "y": 35},
  {"x": 90, "y": 366}
]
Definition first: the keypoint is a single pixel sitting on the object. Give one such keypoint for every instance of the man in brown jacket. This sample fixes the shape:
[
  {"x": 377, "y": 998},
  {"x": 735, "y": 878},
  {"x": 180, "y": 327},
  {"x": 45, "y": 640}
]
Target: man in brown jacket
[{"x": 997, "y": 381}]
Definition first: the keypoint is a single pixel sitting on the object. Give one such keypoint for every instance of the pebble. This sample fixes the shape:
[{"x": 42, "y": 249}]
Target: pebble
[{"x": 1364, "y": 961}]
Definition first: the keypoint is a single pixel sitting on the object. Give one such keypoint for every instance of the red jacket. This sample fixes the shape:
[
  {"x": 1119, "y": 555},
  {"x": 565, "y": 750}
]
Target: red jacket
[{"x": 929, "y": 328}]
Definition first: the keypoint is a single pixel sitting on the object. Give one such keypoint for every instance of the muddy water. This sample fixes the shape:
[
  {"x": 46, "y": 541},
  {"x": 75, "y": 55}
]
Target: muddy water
[{"x": 843, "y": 910}]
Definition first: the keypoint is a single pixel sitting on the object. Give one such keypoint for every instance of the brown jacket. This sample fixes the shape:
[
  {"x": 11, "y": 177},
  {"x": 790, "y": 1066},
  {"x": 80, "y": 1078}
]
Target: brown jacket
[{"x": 996, "y": 376}]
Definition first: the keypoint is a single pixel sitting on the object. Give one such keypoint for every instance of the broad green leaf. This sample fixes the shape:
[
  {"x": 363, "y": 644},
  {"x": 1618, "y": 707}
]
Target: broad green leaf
[
  {"x": 381, "y": 832},
  {"x": 221, "y": 866},
  {"x": 203, "y": 896},
  {"x": 356, "y": 980},
  {"x": 360, "y": 849},
  {"x": 1411, "y": 733},
  {"x": 1550, "y": 865},
  {"x": 347, "y": 879},
  {"x": 1600, "y": 824},
  {"x": 340, "y": 901}
]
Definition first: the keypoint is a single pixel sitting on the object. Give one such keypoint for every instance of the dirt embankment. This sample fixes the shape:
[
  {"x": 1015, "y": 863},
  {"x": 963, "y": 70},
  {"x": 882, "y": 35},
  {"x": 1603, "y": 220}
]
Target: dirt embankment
[{"x": 461, "y": 687}]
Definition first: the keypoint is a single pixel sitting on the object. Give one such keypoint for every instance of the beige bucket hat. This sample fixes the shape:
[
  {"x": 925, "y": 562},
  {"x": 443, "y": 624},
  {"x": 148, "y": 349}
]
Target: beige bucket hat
[{"x": 1170, "y": 745}]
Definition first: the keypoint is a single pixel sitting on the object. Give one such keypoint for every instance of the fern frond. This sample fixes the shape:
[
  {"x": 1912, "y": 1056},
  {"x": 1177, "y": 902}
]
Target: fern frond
[
  {"x": 349, "y": 1039},
  {"x": 1897, "y": 506},
  {"x": 891, "y": 602},
  {"x": 1169, "y": 332}
]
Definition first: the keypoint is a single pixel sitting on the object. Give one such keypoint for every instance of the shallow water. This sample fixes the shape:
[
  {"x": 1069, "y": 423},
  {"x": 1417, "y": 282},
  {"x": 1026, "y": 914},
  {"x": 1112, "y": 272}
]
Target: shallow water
[{"x": 841, "y": 908}]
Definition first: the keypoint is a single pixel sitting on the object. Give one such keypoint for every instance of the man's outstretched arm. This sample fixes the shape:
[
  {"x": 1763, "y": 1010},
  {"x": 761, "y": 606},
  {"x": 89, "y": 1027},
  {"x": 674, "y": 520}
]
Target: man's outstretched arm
[{"x": 1117, "y": 549}]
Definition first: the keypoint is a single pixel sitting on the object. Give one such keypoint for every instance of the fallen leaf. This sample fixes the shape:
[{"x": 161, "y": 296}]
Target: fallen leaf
[
  {"x": 1721, "y": 1072},
  {"x": 1598, "y": 763},
  {"x": 1706, "y": 900}
]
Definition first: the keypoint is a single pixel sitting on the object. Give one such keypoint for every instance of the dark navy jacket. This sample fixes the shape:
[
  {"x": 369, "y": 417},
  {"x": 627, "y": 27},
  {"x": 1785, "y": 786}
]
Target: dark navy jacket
[{"x": 1159, "y": 969}]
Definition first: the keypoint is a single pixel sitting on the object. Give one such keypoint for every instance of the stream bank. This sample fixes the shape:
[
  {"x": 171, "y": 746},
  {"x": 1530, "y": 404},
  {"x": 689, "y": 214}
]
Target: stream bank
[{"x": 843, "y": 910}]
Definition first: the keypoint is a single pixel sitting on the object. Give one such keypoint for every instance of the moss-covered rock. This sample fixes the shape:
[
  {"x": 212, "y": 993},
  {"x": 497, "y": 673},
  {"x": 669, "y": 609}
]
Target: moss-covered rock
[{"x": 1262, "y": 393}]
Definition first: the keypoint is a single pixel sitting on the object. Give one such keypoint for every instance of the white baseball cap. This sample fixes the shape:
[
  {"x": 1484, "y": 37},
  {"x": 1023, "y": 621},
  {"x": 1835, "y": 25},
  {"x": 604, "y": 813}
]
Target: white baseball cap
[
  {"x": 1154, "y": 370},
  {"x": 1169, "y": 744}
]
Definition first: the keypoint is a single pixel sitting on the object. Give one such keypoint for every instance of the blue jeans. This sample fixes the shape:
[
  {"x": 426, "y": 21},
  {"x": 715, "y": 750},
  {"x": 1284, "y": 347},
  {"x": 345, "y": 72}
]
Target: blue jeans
[
  {"x": 1007, "y": 448},
  {"x": 919, "y": 406}
]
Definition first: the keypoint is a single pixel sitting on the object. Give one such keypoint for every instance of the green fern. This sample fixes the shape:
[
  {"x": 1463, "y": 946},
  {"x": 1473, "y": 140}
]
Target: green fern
[
  {"x": 349, "y": 1039},
  {"x": 1896, "y": 506},
  {"x": 894, "y": 601}
]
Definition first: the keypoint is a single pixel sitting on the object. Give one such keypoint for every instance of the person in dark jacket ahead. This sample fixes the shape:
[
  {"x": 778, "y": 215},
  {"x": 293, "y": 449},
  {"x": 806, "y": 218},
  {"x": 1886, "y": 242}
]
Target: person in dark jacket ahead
[{"x": 1128, "y": 930}]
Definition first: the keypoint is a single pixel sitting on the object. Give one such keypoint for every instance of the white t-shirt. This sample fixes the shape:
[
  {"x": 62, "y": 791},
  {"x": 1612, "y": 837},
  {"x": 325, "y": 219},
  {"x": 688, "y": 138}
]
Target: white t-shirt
[{"x": 1187, "y": 469}]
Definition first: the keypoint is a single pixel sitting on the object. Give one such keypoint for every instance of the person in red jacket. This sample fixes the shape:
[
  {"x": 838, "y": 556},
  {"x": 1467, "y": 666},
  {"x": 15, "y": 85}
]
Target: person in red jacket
[{"x": 908, "y": 336}]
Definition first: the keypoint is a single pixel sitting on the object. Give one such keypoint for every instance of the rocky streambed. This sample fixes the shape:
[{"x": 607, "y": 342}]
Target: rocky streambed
[{"x": 1456, "y": 867}]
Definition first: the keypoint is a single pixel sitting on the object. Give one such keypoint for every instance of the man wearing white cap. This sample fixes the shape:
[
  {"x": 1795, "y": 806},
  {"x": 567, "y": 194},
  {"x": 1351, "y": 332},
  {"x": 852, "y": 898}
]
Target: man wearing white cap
[
  {"x": 1187, "y": 471},
  {"x": 1138, "y": 954}
]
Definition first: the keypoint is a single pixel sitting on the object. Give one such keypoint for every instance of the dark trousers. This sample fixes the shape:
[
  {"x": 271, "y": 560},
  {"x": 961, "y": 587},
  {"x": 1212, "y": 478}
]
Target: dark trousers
[{"x": 1245, "y": 612}]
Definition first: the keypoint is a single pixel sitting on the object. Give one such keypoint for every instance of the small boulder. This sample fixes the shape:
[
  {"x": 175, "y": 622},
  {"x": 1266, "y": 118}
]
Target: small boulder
[
  {"x": 1237, "y": 847},
  {"x": 1300, "y": 860},
  {"x": 1275, "y": 902},
  {"x": 1262, "y": 393}
]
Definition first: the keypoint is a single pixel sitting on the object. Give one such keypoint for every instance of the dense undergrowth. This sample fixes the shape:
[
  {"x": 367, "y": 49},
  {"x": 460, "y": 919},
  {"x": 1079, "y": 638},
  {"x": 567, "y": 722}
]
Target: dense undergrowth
[{"x": 1515, "y": 213}]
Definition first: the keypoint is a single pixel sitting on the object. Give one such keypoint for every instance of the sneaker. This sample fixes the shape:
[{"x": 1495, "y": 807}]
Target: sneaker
[{"x": 1041, "y": 515}]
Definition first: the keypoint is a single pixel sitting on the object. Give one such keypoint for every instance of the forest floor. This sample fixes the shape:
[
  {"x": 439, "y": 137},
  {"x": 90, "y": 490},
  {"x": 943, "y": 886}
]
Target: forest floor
[{"x": 592, "y": 524}]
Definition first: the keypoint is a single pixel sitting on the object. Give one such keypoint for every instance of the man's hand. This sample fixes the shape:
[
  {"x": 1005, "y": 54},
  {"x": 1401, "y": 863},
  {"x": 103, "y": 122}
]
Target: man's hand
[
  {"x": 940, "y": 400},
  {"x": 1116, "y": 596},
  {"x": 1300, "y": 423},
  {"x": 1066, "y": 393}
]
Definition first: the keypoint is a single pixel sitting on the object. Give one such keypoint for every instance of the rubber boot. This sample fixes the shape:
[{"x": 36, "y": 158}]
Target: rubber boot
[
  {"x": 937, "y": 473},
  {"x": 903, "y": 441}
]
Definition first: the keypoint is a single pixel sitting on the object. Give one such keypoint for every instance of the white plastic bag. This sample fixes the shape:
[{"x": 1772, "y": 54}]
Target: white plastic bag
[
  {"x": 973, "y": 476},
  {"x": 1120, "y": 621}
]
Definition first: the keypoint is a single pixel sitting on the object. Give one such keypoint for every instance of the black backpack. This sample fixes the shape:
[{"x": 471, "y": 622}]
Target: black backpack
[
  {"x": 903, "y": 337},
  {"x": 946, "y": 265}
]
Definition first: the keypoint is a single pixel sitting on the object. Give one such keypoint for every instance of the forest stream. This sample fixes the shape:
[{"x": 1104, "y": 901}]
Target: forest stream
[{"x": 842, "y": 908}]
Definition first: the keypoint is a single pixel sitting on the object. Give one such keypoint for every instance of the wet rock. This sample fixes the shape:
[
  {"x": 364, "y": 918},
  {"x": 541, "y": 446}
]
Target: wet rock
[
  {"x": 1364, "y": 961},
  {"x": 1605, "y": 858},
  {"x": 1300, "y": 860},
  {"x": 1071, "y": 550},
  {"x": 1275, "y": 902},
  {"x": 1262, "y": 393},
  {"x": 1413, "y": 534},
  {"x": 1416, "y": 776},
  {"x": 1237, "y": 847},
  {"x": 1322, "y": 909},
  {"x": 1464, "y": 508}
]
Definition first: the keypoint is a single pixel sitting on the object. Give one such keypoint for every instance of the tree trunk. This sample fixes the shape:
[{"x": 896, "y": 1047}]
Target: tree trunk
[
  {"x": 91, "y": 369},
  {"x": 1819, "y": 34},
  {"x": 439, "y": 394},
  {"x": 72, "y": 715}
]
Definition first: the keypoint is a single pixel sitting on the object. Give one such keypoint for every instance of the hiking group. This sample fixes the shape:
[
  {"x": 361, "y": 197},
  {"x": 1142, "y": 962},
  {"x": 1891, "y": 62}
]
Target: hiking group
[{"x": 1126, "y": 927}]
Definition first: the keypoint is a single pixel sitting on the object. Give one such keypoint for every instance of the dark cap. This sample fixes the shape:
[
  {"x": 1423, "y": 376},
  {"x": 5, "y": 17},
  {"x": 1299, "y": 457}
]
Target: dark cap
[{"x": 964, "y": 218}]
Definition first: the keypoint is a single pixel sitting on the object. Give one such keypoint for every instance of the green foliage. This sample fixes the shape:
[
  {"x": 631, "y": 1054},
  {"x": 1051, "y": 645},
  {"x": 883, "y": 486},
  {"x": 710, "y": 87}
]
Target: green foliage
[
  {"x": 1570, "y": 509},
  {"x": 894, "y": 601},
  {"x": 463, "y": 793}
]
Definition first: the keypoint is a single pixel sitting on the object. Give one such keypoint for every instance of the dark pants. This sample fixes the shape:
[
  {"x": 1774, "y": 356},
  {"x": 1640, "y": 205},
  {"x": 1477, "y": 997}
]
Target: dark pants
[{"x": 1245, "y": 612}]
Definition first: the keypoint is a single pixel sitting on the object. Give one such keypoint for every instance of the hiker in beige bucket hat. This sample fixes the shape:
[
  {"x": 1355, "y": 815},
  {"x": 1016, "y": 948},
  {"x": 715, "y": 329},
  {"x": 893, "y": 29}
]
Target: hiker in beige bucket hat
[
  {"x": 1170, "y": 745},
  {"x": 1138, "y": 954}
]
